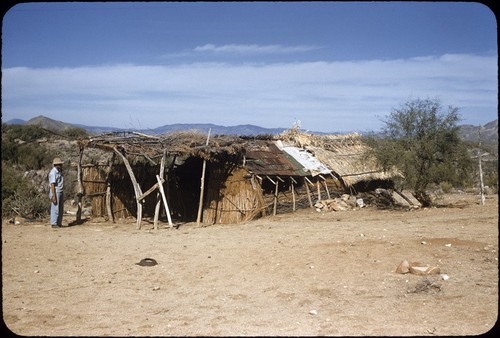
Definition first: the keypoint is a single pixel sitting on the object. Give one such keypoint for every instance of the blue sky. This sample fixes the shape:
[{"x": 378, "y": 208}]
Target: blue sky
[{"x": 333, "y": 66}]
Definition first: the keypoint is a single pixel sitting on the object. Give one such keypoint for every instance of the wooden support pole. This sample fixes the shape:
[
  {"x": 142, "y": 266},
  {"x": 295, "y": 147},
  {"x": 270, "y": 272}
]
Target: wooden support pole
[
  {"x": 202, "y": 185},
  {"x": 158, "y": 197},
  {"x": 260, "y": 197},
  {"x": 308, "y": 191},
  {"x": 109, "y": 209},
  {"x": 269, "y": 178},
  {"x": 275, "y": 199},
  {"x": 309, "y": 181},
  {"x": 170, "y": 172},
  {"x": 81, "y": 191},
  {"x": 150, "y": 190},
  {"x": 137, "y": 188},
  {"x": 481, "y": 184},
  {"x": 326, "y": 186},
  {"x": 292, "y": 185},
  {"x": 167, "y": 210},
  {"x": 318, "y": 186},
  {"x": 275, "y": 203}
]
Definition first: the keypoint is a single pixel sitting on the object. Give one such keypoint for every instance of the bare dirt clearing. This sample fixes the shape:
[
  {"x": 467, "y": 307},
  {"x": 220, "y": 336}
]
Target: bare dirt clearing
[{"x": 306, "y": 273}]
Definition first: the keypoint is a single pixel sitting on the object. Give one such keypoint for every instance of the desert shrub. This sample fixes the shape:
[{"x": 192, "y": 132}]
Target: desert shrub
[
  {"x": 10, "y": 180},
  {"x": 33, "y": 157},
  {"x": 446, "y": 187},
  {"x": 490, "y": 179},
  {"x": 19, "y": 147},
  {"x": 21, "y": 196},
  {"x": 26, "y": 133}
]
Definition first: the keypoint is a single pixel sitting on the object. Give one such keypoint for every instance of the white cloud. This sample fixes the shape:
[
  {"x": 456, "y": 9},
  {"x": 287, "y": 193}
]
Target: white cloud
[
  {"x": 325, "y": 96},
  {"x": 252, "y": 49}
]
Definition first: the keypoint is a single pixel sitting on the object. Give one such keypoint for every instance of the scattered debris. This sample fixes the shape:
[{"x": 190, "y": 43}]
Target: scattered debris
[
  {"x": 417, "y": 268},
  {"x": 336, "y": 204},
  {"x": 424, "y": 270},
  {"x": 403, "y": 267},
  {"x": 389, "y": 198}
]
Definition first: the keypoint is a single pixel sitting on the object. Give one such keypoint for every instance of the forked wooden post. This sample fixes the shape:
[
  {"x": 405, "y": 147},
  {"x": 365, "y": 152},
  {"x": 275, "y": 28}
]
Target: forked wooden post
[
  {"x": 202, "y": 184},
  {"x": 108, "y": 190},
  {"x": 137, "y": 188}
]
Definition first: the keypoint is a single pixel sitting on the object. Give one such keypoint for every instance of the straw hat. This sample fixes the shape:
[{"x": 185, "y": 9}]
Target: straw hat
[{"x": 57, "y": 160}]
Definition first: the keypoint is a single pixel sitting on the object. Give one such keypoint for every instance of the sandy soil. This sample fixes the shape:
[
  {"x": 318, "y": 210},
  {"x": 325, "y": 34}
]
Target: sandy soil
[{"x": 306, "y": 273}]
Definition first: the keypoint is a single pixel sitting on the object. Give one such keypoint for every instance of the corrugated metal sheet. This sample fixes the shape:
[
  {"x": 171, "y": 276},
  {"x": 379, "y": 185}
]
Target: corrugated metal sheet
[
  {"x": 310, "y": 164},
  {"x": 265, "y": 158}
]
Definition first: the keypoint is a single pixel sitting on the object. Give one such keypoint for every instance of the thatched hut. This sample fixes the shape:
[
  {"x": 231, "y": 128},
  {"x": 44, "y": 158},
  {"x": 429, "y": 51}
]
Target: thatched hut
[{"x": 218, "y": 179}]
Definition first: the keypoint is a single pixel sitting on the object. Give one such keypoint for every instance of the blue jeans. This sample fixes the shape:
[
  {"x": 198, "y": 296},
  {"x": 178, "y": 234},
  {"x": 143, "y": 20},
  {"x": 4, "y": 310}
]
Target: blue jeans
[{"x": 56, "y": 211}]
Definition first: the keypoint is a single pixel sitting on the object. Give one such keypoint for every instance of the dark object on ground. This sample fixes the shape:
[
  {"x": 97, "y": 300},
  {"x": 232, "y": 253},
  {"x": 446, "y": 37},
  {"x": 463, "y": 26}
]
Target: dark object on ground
[{"x": 147, "y": 262}]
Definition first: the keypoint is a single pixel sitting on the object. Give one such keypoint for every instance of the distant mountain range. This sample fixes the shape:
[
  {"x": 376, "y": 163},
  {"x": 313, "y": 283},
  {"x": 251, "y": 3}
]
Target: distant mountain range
[
  {"x": 488, "y": 132},
  {"x": 244, "y": 130}
]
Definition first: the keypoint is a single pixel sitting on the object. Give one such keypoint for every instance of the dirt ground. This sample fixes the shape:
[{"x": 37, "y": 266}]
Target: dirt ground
[{"x": 306, "y": 273}]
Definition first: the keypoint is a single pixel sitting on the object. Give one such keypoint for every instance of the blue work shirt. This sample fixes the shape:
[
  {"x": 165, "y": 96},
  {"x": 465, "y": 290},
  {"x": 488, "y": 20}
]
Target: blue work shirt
[{"x": 56, "y": 177}]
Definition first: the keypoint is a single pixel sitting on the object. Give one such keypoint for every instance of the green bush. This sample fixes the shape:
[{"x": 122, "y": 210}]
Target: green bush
[
  {"x": 26, "y": 133},
  {"x": 20, "y": 196},
  {"x": 10, "y": 181},
  {"x": 34, "y": 157},
  {"x": 19, "y": 147},
  {"x": 422, "y": 139}
]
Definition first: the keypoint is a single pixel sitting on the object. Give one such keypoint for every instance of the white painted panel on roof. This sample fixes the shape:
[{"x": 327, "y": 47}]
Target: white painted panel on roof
[{"x": 307, "y": 160}]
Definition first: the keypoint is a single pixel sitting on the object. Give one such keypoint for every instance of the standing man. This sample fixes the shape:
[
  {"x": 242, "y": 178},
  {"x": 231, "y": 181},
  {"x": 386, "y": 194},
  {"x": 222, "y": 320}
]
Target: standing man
[{"x": 56, "y": 183}]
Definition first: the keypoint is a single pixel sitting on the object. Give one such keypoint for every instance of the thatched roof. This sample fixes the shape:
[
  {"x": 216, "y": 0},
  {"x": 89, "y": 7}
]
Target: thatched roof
[
  {"x": 185, "y": 143},
  {"x": 346, "y": 155}
]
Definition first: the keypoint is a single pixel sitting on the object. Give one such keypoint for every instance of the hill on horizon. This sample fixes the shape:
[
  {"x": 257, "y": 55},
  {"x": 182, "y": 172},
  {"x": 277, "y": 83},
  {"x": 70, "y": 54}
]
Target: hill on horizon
[
  {"x": 488, "y": 132},
  {"x": 245, "y": 129}
]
